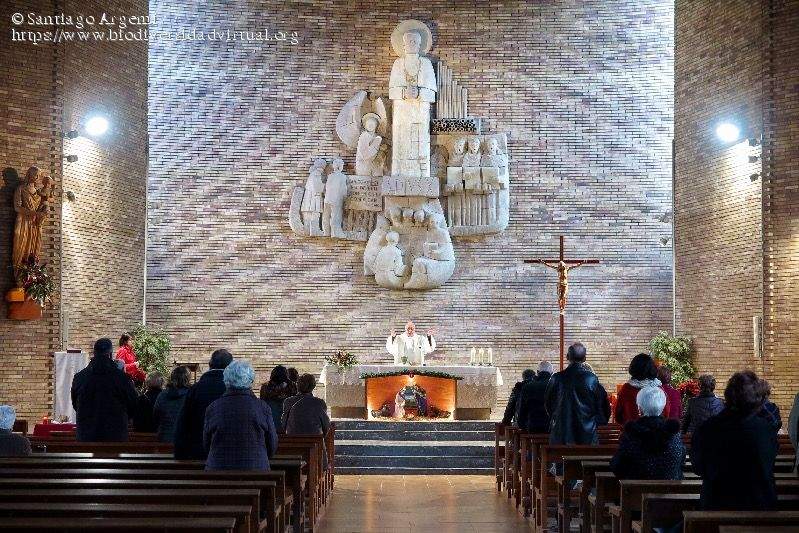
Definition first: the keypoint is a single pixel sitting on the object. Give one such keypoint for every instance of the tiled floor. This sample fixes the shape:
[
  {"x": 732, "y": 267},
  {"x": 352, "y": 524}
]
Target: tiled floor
[{"x": 439, "y": 504}]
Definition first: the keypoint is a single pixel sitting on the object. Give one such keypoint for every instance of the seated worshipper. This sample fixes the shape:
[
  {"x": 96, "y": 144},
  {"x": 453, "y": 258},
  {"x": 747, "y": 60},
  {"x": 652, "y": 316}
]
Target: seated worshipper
[
  {"x": 512, "y": 409},
  {"x": 169, "y": 403},
  {"x": 143, "y": 420},
  {"x": 128, "y": 358},
  {"x": 672, "y": 394},
  {"x": 103, "y": 397},
  {"x": 305, "y": 414},
  {"x": 699, "y": 409},
  {"x": 294, "y": 375},
  {"x": 191, "y": 420},
  {"x": 576, "y": 402},
  {"x": 275, "y": 391},
  {"x": 533, "y": 416},
  {"x": 734, "y": 452},
  {"x": 643, "y": 373},
  {"x": 770, "y": 412},
  {"x": 650, "y": 447},
  {"x": 239, "y": 431},
  {"x": 11, "y": 444},
  {"x": 793, "y": 429}
]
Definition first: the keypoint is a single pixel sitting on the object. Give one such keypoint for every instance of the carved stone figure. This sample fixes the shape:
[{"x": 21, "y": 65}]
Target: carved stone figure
[
  {"x": 312, "y": 199},
  {"x": 370, "y": 159},
  {"x": 389, "y": 268},
  {"x": 412, "y": 88},
  {"x": 335, "y": 193},
  {"x": 30, "y": 203},
  {"x": 437, "y": 264}
]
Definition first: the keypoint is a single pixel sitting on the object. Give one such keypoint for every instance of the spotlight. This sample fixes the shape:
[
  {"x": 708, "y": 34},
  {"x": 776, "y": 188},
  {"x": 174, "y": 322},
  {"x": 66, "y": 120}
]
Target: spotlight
[
  {"x": 754, "y": 177},
  {"x": 728, "y": 132},
  {"x": 754, "y": 158},
  {"x": 70, "y": 196},
  {"x": 71, "y": 134},
  {"x": 664, "y": 241},
  {"x": 96, "y": 126},
  {"x": 72, "y": 158}
]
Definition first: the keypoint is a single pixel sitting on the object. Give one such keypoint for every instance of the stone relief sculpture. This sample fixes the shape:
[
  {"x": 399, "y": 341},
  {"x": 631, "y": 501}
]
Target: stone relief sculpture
[{"x": 397, "y": 207}]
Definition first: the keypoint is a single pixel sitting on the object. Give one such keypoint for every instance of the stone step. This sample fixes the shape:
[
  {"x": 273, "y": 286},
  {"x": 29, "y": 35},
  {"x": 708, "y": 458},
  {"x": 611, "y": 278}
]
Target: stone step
[
  {"x": 444, "y": 425},
  {"x": 377, "y": 448},
  {"x": 413, "y": 461},
  {"x": 414, "y": 434},
  {"x": 403, "y": 471}
]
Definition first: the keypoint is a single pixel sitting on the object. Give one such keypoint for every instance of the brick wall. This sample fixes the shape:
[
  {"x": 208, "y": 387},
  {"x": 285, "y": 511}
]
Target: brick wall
[
  {"x": 30, "y": 120},
  {"x": 96, "y": 249},
  {"x": 735, "y": 237},
  {"x": 584, "y": 90},
  {"x": 104, "y": 228}
]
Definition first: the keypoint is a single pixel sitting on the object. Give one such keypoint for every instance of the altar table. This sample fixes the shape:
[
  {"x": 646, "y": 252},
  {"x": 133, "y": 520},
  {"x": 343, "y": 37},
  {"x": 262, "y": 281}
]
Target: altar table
[
  {"x": 44, "y": 430},
  {"x": 345, "y": 392}
]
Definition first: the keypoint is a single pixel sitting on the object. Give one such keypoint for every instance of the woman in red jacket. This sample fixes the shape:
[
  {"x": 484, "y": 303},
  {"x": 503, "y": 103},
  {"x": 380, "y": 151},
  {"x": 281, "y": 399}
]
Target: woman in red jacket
[
  {"x": 128, "y": 357},
  {"x": 672, "y": 395},
  {"x": 643, "y": 373}
]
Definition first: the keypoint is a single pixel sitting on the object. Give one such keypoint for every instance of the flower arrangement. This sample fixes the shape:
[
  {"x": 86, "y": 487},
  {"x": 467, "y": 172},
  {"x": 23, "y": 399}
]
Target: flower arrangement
[
  {"x": 36, "y": 280},
  {"x": 688, "y": 389},
  {"x": 342, "y": 359},
  {"x": 410, "y": 372}
]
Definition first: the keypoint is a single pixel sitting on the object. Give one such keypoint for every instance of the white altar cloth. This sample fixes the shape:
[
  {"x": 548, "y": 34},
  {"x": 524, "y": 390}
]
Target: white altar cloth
[
  {"x": 477, "y": 389},
  {"x": 67, "y": 364}
]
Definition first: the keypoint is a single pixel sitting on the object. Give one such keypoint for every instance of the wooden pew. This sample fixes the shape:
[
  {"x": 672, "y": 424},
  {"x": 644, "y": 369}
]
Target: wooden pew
[
  {"x": 511, "y": 461},
  {"x": 120, "y": 525},
  {"x": 108, "y": 449},
  {"x": 545, "y": 483},
  {"x": 131, "y": 498},
  {"x": 57, "y": 511},
  {"x": 310, "y": 453},
  {"x": 666, "y": 510},
  {"x": 290, "y": 465},
  {"x": 711, "y": 521},
  {"x": 499, "y": 454},
  {"x": 267, "y": 489}
]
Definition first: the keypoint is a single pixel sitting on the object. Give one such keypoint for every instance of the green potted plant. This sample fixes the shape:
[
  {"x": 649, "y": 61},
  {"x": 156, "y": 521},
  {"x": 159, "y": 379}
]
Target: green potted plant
[
  {"x": 676, "y": 352},
  {"x": 152, "y": 347}
]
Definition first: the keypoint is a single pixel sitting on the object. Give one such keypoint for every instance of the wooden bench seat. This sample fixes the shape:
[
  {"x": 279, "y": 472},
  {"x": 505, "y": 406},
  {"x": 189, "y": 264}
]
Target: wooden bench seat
[
  {"x": 133, "y": 499},
  {"x": 120, "y": 525},
  {"x": 711, "y": 521},
  {"x": 57, "y": 511}
]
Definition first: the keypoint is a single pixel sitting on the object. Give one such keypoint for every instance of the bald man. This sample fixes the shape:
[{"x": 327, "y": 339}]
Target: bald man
[{"x": 410, "y": 346}]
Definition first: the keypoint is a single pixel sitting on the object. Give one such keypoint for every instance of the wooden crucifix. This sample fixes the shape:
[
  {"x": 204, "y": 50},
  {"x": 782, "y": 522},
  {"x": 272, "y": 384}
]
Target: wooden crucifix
[{"x": 562, "y": 266}]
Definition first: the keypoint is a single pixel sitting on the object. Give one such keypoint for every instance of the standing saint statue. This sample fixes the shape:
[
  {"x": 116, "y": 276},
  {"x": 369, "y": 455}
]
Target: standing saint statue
[
  {"x": 412, "y": 88},
  {"x": 30, "y": 203}
]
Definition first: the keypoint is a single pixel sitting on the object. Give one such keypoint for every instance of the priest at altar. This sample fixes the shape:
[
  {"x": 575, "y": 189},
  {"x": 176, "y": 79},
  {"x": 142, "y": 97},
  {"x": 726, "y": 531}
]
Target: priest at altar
[{"x": 409, "y": 348}]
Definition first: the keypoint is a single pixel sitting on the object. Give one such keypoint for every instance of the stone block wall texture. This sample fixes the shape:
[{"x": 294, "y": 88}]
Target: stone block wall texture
[
  {"x": 94, "y": 246},
  {"x": 585, "y": 91},
  {"x": 735, "y": 237}
]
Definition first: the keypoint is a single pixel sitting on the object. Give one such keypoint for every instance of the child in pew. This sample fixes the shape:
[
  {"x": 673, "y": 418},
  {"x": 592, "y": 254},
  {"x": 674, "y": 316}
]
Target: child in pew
[{"x": 651, "y": 446}]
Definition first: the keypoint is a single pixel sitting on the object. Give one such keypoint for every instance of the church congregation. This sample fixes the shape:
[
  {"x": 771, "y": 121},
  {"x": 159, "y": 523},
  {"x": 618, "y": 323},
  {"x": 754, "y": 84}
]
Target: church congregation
[{"x": 335, "y": 266}]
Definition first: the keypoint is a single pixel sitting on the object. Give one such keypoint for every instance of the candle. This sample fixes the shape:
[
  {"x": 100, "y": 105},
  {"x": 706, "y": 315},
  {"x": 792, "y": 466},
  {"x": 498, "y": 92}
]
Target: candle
[
  {"x": 490, "y": 356},
  {"x": 481, "y": 355},
  {"x": 473, "y": 356}
]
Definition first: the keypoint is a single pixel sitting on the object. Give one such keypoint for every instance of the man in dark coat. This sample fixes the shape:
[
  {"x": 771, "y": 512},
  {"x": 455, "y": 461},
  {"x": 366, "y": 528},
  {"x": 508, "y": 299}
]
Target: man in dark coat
[
  {"x": 103, "y": 397},
  {"x": 533, "y": 416},
  {"x": 11, "y": 444},
  {"x": 734, "y": 452},
  {"x": 304, "y": 413},
  {"x": 512, "y": 409},
  {"x": 576, "y": 402},
  {"x": 191, "y": 420}
]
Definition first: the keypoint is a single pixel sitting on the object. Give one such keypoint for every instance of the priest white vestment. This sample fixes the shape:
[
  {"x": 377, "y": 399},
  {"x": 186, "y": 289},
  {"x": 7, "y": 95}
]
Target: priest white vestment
[{"x": 413, "y": 347}]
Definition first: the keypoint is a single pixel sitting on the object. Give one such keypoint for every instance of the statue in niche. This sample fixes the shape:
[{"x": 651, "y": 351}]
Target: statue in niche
[
  {"x": 335, "y": 193},
  {"x": 312, "y": 200},
  {"x": 370, "y": 158},
  {"x": 31, "y": 199},
  {"x": 389, "y": 267},
  {"x": 412, "y": 88},
  {"x": 472, "y": 185}
]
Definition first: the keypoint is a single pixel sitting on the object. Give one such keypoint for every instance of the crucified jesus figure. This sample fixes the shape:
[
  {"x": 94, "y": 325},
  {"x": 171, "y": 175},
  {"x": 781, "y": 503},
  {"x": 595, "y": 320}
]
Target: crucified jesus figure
[{"x": 562, "y": 269}]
